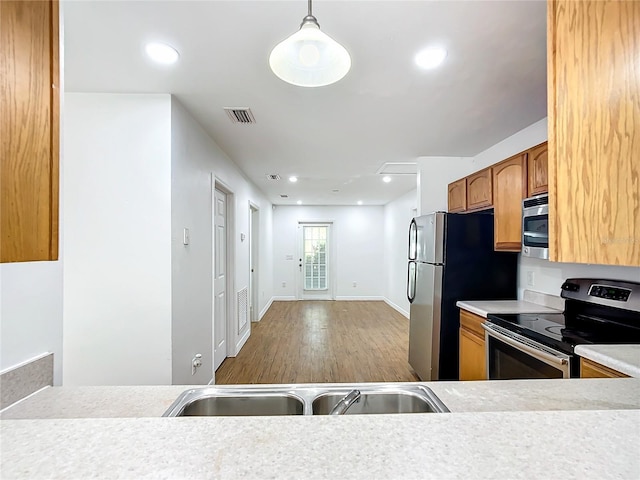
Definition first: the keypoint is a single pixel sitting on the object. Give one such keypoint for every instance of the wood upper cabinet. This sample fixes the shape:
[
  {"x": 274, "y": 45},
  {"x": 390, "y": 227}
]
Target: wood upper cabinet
[
  {"x": 589, "y": 369},
  {"x": 537, "y": 169},
  {"x": 458, "y": 196},
  {"x": 594, "y": 131},
  {"x": 479, "y": 190},
  {"x": 29, "y": 128},
  {"x": 509, "y": 188},
  {"x": 472, "y": 347}
]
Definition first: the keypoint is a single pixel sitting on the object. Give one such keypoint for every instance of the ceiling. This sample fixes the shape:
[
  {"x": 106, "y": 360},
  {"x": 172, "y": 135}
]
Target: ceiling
[{"x": 492, "y": 84}]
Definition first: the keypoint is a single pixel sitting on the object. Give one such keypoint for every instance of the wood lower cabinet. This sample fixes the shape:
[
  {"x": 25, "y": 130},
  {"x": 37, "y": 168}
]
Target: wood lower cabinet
[
  {"x": 29, "y": 128},
  {"x": 509, "y": 189},
  {"x": 537, "y": 170},
  {"x": 479, "y": 190},
  {"x": 590, "y": 369},
  {"x": 594, "y": 131},
  {"x": 458, "y": 196},
  {"x": 472, "y": 347}
]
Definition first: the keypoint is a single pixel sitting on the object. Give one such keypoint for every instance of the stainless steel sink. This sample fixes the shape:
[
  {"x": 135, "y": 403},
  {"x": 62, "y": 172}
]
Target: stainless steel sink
[
  {"x": 316, "y": 399},
  {"x": 234, "y": 402},
  {"x": 417, "y": 400}
]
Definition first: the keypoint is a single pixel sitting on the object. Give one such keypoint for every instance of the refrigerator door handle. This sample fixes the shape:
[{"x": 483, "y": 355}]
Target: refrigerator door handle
[
  {"x": 411, "y": 281},
  {"x": 413, "y": 240}
]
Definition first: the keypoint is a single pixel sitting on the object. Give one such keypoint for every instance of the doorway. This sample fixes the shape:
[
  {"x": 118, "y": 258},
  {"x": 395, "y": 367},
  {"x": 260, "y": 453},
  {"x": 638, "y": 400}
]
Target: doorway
[
  {"x": 254, "y": 249},
  {"x": 315, "y": 273},
  {"x": 220, "y": 278}
]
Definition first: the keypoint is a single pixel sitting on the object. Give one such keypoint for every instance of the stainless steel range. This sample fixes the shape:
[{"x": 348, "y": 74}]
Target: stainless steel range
[{"x": 542, "y": 345}]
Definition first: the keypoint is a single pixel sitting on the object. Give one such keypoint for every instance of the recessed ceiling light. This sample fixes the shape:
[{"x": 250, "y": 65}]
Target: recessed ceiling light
[
  {"x": 293, "y": 179},
  {"x": 430, "y": 57},
  {"x": 359, "y": 202},
  {"x": 386, "y": 179},
  {"x": 162, "y": 53},
  {"x": 299, "y": 202}
]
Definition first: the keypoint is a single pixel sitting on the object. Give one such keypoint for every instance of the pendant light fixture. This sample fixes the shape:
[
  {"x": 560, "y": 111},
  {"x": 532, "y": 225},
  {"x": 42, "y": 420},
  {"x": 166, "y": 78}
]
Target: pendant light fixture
[{"x": 309, "y": 57}]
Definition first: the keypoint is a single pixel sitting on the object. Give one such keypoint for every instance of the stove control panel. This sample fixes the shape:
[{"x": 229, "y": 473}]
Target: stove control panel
[
  {"x": 620, "y": 294},
  {"x": 609, "y": 292}
]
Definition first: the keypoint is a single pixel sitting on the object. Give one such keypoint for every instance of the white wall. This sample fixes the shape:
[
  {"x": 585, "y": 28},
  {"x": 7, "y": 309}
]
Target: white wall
[
  {"x": 196, "y": 160},
  {"x": 548, "y": 276},
  {"x": 358, "y": 236},
  {"x": 31, "y": 313},
  {"x": 434, "y": 176},
  {"x": 117, "y": 239},
  {"x": 397, "y": 216}
]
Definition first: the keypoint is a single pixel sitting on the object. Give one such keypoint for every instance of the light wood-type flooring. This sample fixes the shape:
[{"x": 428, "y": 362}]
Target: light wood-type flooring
[{"x": 323, "y": 341}]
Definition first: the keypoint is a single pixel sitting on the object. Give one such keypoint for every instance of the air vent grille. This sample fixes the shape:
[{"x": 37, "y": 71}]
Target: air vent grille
[
  {"x": 284, "y": 196},
  {"x": 243, "y": 308},
  {"x": 240, "y": 114},
  {"x": 273, "y": 176}
]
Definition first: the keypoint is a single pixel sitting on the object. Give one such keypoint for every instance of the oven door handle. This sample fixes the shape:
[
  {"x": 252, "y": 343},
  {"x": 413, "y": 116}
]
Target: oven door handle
[{"x": 534, "y": 351}]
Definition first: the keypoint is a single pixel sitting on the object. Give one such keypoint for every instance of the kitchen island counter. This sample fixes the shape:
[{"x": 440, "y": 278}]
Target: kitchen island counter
[
  {"x": 481, "y": 396},
  {"x": 567, "y": 444},
  {"x": 584, "y": 428}
]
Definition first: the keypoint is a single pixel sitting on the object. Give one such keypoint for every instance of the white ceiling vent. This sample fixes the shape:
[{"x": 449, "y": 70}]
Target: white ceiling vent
[
  {"x": 398, "y": 168},
  {"x": 273, "y": 176},
  {"x": 240, "y": 114}
]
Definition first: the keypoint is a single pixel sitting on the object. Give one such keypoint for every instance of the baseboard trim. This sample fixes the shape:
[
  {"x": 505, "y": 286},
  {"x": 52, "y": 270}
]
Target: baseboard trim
[
  {"x": 284, "y": 298},
  {"x": 264, "y": 310},
  {"x": 241, "y": 342},
  {"x": 396, "y": 307}
]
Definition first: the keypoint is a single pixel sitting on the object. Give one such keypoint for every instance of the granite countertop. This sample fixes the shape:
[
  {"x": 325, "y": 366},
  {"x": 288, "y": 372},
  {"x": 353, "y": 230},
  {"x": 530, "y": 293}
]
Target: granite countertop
[
  {"x": 532, "y": 302},
  {"x": 623, "y": 358},
  {"x": 567, "y": 444},
  {"x": 481, "y": 396},
  {"x": 486, "y": 307},
  {"x": 584, "y": 428}
]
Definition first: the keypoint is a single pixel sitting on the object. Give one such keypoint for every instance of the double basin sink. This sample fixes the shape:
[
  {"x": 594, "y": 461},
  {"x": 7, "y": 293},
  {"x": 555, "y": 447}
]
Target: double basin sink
[{"x": 304, "y": 400}]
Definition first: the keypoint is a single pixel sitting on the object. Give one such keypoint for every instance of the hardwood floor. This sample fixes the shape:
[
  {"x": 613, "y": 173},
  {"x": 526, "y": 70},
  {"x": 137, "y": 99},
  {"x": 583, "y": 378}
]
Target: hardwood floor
[{"x": 323, "y": 341}]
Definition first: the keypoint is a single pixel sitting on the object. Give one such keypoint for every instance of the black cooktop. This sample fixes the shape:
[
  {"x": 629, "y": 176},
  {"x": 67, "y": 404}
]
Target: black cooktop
[{"x": 565, "y": 332}]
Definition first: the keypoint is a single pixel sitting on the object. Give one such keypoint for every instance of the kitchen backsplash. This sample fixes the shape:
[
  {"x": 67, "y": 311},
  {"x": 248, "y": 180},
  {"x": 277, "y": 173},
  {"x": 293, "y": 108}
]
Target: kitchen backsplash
[
  {"x": 547, "y": 277},
  {"x": 24, "y": 379}
]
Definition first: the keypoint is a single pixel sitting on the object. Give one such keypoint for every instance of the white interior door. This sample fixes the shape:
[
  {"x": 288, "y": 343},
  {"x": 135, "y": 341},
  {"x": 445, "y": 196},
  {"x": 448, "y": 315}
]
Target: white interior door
[
  {"x": 220, "y": 279},
  {"x": 314, "y": 262}
]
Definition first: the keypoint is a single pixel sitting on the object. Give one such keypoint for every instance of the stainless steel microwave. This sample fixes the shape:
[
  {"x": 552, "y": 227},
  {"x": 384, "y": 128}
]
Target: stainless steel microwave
[{"x": 535, "y": 226}]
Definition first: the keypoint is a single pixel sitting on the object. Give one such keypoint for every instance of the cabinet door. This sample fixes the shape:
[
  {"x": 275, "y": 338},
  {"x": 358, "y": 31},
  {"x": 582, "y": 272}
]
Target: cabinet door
[
  {"x": 29, "y": 115},
  {"x": 509, "y": 188},
  {"x": 458, "y": 196},
  {"x": 537, "y": 169},
  {"x": 594, "y": 125},
  {"x": 479, "y": 190},
  {"x": 472, "y": 356}
]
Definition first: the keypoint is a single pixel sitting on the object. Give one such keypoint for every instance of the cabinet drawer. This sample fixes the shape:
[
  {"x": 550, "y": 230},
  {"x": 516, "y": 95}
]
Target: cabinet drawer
[
  {"x": 472, "y": 322},
  {"x": 590, "y": 369}
]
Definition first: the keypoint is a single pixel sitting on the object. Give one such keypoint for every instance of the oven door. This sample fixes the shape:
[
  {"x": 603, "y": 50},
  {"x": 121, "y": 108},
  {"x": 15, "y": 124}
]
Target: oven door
[{"x": 511, "y": 356}]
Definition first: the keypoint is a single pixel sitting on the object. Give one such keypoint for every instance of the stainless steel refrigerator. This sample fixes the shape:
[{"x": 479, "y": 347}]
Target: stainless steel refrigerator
[{"x": 451, "y": 258}]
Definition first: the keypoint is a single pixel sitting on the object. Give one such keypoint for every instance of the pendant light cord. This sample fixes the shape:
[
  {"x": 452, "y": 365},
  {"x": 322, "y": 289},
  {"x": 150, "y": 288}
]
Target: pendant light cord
[{"x": 310, "y": 9}]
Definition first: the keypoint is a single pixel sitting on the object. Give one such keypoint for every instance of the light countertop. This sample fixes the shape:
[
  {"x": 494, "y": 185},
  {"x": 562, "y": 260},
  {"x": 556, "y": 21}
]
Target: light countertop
[
  {"x": 583, "y": 428},
  {"x": 566, "y": 444},
  {"x": 486, "y": 307},
  {"x": 481, "y": 396},
  {"x": 623, "y": 358}
]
